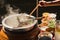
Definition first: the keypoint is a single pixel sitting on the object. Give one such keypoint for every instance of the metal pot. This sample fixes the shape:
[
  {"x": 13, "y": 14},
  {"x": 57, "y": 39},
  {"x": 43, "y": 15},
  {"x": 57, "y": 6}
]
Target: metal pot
[{"x": 11, "y": 20}]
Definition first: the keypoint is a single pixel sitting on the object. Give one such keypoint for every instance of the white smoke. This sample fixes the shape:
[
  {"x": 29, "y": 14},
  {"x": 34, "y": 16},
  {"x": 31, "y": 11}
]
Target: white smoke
[{"x": 10, "y": 10}]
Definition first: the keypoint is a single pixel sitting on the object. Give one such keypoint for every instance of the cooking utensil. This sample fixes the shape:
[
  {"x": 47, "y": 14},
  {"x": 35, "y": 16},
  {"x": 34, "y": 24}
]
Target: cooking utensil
[{"x": 12, "y": 18}]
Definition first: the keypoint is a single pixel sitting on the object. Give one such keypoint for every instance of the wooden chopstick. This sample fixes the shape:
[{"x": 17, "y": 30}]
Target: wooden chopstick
[
  {"x": 34, "y": 9},
  {"x": 38, "y": 18}
]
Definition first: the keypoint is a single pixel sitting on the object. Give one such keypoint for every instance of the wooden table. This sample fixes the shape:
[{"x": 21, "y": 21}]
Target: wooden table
[{"x": 30, "y": 35}]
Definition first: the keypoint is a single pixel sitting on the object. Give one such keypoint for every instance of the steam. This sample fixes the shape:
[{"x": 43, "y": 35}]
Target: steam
[{"x": 11, "y": 10}]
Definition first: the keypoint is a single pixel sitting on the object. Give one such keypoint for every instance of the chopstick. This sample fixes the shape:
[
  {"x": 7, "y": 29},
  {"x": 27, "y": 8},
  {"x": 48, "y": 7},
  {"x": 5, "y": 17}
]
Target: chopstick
[
  {"x": 34, "y": 9},
  {"x": 38, "y": 18}
]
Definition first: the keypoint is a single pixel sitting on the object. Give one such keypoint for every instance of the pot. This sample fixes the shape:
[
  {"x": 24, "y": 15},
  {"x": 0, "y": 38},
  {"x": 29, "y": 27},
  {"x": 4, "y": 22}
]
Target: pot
[{"x": 10, "y": 22}]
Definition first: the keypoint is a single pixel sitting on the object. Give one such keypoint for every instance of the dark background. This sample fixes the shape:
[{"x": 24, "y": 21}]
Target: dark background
[{"x": 28, "y": 5}]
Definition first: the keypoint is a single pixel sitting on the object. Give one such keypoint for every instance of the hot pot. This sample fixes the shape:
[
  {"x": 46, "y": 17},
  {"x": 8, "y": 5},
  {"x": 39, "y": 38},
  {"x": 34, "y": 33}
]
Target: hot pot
[{"x": 11, "y": 20}]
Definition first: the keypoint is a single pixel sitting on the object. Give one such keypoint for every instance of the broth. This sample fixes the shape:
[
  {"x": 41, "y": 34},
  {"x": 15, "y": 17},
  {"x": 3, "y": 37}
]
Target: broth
[{"x": 20, "y": 21}]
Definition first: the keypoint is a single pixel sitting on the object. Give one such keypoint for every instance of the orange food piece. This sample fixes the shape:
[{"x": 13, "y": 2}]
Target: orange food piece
[
  {"x": 3, "y": 36},
  {"x": 45, "y": 14},
  {"x": 42, "y": 24}
]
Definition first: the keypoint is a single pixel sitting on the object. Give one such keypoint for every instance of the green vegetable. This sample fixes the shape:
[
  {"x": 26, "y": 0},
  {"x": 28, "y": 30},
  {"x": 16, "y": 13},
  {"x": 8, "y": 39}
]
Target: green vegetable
[{"x": 51, "y": 24}]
